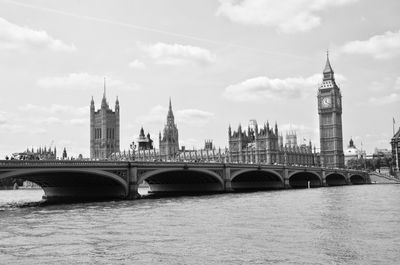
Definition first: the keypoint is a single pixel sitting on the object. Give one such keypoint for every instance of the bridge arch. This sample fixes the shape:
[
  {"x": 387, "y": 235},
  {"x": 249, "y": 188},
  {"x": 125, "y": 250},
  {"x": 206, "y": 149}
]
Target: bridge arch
[
  {"x": 356, "y": 179},
  {"x": 335, "y": 179},
  {"x": 182, "y": 180},
  {"x": 73, "y": 184},
  {"x": 256, "y": 179},
  {"x": 300, "y": 179}
]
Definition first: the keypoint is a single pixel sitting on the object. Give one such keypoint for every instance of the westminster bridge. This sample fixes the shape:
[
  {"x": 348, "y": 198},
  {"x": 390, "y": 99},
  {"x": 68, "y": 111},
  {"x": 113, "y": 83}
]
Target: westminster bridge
[{"x": 85, "y": 180}]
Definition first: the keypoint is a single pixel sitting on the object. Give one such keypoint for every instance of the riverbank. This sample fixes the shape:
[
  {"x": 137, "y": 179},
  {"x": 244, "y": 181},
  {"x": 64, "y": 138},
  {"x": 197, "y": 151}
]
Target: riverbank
[{"x": 377, "y": 178}]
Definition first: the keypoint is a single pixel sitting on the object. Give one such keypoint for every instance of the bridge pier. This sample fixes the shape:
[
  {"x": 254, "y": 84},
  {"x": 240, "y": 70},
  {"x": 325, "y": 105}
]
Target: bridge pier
[
  {"x": 227, "y": 180},
  {"x": 286, "y": 182},
  {"x": 133, "y": 185},
  {"x": 323, "y": 178}
]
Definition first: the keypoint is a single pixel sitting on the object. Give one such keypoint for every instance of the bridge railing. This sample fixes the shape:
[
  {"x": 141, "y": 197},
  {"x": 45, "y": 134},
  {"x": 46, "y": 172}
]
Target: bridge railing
[
  {"x": 46, "y": 163},
  {"x": 179, "y": 163}
]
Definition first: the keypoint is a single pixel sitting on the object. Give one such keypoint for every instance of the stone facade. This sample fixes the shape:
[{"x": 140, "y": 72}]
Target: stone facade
[
  {"x": 330, "y": 120},
  {"x": 104, "y": 129},
  {"x": 169, "y": 141},
  {"x": 265, "y": 146}
]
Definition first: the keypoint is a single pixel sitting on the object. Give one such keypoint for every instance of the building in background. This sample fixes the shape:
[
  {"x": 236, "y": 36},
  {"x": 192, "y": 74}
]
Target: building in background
[
  {"x": 264, "y": 146},
  {"x": 208, "y": 145},
  {"x": 169, "y": 141},
  {"x": 395, "y": 142},
  {"x": 330, "y": 120},
  {"x": 291, "y": 139},
  {"x": 41, "y": 153},
  {"x": 104, "y": 129},
  {"x": 352, "y": 152},
  {"x": 144, "y": 142}
]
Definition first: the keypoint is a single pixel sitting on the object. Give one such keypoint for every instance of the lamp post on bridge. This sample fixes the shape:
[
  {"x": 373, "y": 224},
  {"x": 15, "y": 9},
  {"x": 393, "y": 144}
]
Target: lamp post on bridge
[{"x": 133, "y": 148}]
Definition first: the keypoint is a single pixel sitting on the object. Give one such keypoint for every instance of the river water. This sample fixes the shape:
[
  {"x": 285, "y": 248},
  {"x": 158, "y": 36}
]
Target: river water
[{"x": 336, "y": 225}]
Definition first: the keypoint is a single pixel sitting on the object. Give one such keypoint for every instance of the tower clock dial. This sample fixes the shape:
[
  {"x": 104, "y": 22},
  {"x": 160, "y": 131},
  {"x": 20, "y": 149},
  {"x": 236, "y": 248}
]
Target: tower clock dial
[
  {"x": 326, "y": 102},
  {"x": 338, "y": 102}
]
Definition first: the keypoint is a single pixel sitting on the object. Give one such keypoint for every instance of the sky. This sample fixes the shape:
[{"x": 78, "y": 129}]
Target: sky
[{"x": 222, "y": 62}]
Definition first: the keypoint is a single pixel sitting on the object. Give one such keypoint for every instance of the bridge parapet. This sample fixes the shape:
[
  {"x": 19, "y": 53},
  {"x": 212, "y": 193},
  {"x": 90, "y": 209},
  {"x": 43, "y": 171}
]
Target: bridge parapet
[{"x": 60, "y": 163}]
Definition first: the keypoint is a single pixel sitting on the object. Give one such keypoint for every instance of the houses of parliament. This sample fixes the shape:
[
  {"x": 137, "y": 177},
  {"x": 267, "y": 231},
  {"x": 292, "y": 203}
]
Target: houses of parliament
[{"x": 262, "y": 144}]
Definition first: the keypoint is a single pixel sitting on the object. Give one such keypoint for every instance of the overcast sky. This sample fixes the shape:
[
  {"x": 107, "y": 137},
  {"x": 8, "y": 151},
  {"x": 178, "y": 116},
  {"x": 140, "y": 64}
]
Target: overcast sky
[{"x": 221, "y": 62}]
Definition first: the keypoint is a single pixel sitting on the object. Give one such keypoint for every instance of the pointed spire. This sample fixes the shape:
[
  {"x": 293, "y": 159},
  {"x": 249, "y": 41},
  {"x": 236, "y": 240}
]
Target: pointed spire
[
  {"x": 104, "y": 100},
  {"x": 328, "y": 71},
  {"x": 170, "y": 116},
  {"x": 104, "y": 92}
]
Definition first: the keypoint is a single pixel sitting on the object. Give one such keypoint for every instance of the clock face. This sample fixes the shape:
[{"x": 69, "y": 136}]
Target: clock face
[{"x": 326, "y": 102}]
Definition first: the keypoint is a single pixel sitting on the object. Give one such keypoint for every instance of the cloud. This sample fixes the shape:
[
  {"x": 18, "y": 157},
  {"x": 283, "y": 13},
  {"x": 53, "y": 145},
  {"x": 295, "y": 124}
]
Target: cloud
[
  {"x": 156, "y": 115},
  {"x": 286, "y": 15},
  {"x": 304, "y": 132},
  {"x": 83, "y": 81},
  {"x": 178, "y": 54},
  {"x": 3, "y": 119},
  {"x": 384, "y": 46},
  {"x": 388, "y": 99},
  {"x": 14, "y": 37},
  {"x": 261, "y": 88},
  {"x": 55, "y": 109},
  {"x": 136, "y": 64},
  {"x": 191, "y": 117},
  {"x": 397, "y": 84}
]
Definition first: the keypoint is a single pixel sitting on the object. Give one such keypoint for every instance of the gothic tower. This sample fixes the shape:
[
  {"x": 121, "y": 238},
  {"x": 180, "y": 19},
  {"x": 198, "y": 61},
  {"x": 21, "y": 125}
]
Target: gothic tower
[
  {"x": 330, "y": 120},
  {"x": 169, "y": 143},
  {"x": 104, "y": 129}
]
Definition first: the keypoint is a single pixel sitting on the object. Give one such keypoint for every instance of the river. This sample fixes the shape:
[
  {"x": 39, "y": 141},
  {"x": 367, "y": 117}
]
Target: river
[{"x": 336, "y": 225}]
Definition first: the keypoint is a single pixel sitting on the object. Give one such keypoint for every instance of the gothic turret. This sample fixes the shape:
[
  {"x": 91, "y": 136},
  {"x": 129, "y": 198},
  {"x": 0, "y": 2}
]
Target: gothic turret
[
  {"x": 104, "y": 128},
  {"x": 117, "y": 104},
  {"x": 169, "y": 143}
]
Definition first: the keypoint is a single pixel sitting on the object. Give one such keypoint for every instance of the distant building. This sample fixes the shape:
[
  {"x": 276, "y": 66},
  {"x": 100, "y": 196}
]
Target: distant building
[
  {"x": 104, "y": 129},
  {"x": 41, "y": 153},
  {"x": 208, "y": 145},
  {"x": 169, "y": 141},
  {"x": 352, "y": 152},
  {"x": 291, "y": 139},
  {"x": 263, "y": 146},
  {"x": 144, "y": 142},
  {"x": 382, "y": 153},
  {"x": 395, "y": 142}
]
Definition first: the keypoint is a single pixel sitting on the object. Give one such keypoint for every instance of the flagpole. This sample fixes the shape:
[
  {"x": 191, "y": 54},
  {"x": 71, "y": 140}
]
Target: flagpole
[{"x": 394, "y": 122}]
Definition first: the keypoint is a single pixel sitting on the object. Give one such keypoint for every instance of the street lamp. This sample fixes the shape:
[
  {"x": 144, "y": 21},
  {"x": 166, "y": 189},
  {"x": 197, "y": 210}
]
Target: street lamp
[{"x": 133, "y": 148}]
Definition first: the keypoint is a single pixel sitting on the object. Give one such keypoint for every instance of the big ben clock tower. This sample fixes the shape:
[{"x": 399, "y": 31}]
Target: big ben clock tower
[{"x": 330, "y": 120}]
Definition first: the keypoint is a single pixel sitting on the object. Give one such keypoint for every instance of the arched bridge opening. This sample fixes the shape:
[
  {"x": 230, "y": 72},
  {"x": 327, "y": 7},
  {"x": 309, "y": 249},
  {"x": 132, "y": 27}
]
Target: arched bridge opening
[
  {"x": 335, "y": 179},
  {"x": 357, "y": 180},
  {"x": 304, "y": 179},
  {"x": 183, "y": 181},
  {"x": 74, "y": 185},
  {"x": 257, "y": 180}
]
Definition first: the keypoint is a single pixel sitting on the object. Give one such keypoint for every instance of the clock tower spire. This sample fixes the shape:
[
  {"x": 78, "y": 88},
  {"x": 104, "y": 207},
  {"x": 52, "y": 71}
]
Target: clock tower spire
[{"x": 330, "y": 119}]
